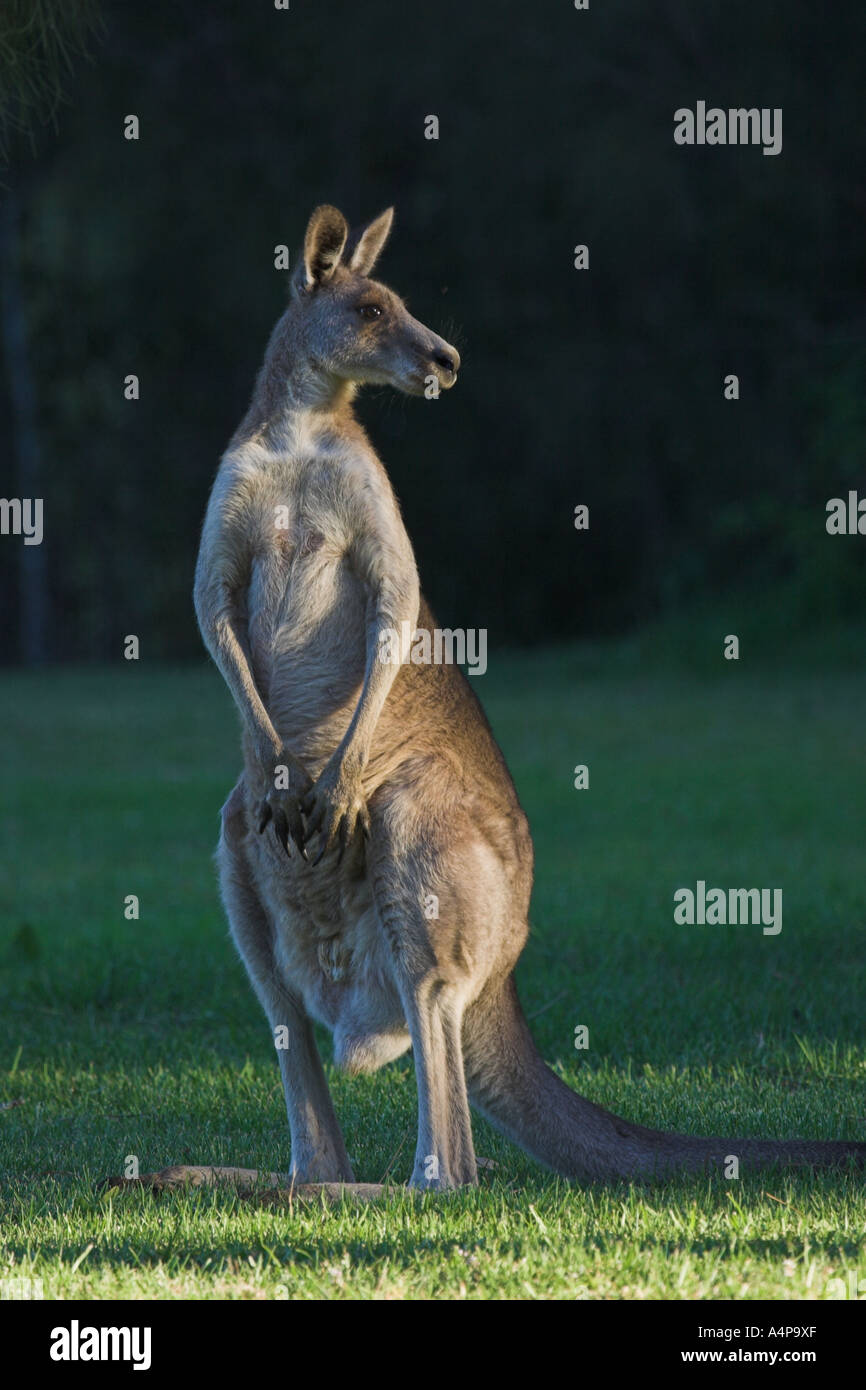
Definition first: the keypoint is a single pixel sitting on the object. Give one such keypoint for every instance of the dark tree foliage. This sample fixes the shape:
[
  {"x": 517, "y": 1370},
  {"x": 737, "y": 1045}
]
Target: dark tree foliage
[
  {"x": 40, "y": 41},
  {"x": 603, "y": 387}
]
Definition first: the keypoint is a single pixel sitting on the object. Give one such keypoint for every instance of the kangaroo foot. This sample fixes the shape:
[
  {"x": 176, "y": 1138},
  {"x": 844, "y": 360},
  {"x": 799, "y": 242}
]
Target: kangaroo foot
[{"x": 272, "y": 1187}]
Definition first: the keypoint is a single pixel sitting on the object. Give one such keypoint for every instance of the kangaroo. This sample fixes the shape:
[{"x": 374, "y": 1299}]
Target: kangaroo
[{"x": 369, "y": 787}]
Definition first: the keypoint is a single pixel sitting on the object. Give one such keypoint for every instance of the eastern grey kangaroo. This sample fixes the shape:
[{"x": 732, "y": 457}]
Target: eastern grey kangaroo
[{"x": 369, "y": 786}]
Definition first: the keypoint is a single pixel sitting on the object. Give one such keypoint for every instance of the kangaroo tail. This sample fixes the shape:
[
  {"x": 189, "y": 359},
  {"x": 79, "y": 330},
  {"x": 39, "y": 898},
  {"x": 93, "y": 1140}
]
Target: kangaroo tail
[{"x": 513, "y": 1088}]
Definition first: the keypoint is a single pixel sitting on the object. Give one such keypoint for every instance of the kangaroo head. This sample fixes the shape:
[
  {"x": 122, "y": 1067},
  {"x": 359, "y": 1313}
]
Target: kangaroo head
[{"x": 353, "y": 328}]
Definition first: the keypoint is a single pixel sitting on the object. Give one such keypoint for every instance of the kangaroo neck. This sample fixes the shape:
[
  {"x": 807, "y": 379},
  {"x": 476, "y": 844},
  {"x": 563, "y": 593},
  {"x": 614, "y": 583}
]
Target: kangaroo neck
[{"x": 294, "y": 397}]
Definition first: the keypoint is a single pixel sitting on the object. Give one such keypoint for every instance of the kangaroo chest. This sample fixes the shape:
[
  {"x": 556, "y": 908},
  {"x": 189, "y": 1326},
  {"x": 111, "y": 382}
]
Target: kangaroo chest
[{"x": 305, "y": 602}]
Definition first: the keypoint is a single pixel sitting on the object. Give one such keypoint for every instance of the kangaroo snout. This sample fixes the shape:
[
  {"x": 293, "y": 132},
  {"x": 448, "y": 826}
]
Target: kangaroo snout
[
  {"x": 446, "y": 361},
  {"x": 425, "y": 355}
]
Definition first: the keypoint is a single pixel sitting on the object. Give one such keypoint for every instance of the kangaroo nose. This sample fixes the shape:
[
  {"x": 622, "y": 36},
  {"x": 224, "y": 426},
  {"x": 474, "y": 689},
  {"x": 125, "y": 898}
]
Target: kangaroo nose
[{"x": 449, "y": 361}]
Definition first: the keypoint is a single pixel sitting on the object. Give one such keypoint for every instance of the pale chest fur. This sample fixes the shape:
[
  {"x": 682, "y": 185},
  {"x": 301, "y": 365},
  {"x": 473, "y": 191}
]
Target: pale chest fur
[{"x": 304, "y": 597}]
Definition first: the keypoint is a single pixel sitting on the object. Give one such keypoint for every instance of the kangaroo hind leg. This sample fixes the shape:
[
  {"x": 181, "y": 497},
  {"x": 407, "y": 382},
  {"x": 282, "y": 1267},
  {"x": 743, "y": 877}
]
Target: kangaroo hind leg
[
  {"x": 318, "y": 1150},
  {"x": 433, "y": 971}
]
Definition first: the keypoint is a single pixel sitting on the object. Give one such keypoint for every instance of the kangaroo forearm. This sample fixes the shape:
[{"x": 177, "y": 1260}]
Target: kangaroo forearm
[
  {"x": 359, "y": 735},
  {"x": 232, "y": 658},
  {"x": 388, "y": 612}
]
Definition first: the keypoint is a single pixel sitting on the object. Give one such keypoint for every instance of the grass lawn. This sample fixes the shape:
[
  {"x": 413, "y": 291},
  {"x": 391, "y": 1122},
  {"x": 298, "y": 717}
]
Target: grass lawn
[{"x": 143, "y": 1037}]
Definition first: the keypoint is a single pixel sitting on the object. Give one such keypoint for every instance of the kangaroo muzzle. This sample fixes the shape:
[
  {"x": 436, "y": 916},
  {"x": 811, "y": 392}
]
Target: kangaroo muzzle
[{"x": 442, "y": 361}]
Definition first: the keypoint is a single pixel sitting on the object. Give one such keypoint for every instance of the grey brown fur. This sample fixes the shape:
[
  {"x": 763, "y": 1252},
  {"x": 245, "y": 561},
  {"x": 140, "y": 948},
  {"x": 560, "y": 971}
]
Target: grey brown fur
[{"x": 393, "y": 788}]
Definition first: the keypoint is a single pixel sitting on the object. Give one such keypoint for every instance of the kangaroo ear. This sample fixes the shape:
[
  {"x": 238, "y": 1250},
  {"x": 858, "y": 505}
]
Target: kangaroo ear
[
  {"x": 370, "y": 243},
  {"x": 323, "y": 244}
]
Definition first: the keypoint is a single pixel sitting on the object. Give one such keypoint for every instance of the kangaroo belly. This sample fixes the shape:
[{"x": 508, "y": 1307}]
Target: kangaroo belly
[
  {"x": 307, "y": 613},
  {"x": 330, "y": 949}
]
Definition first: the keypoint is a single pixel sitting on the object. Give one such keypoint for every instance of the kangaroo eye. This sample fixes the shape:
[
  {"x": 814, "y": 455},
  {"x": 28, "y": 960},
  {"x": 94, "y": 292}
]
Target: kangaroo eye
[{"x": 370, "y": 311}]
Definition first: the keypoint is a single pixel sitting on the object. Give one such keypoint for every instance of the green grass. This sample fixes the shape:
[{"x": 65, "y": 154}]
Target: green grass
[{"x": 142, "y": 1037}]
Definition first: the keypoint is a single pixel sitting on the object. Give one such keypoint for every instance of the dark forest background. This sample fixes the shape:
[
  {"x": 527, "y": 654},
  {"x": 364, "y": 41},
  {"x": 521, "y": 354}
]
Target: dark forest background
[{"x": 604, "y": 387}]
